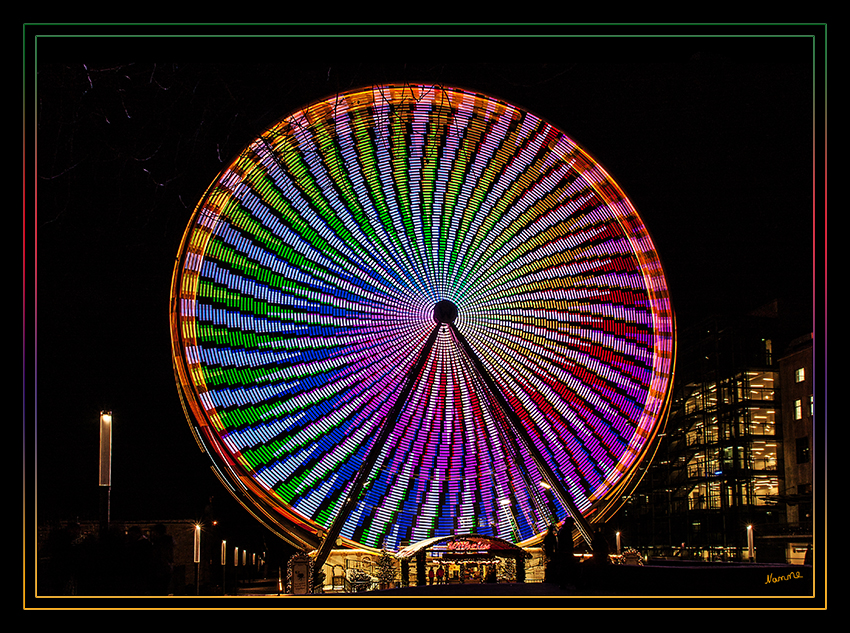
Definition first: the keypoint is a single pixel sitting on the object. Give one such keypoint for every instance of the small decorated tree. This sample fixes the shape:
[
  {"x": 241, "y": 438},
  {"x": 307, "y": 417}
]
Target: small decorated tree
[{"x": 385, "y": 570}]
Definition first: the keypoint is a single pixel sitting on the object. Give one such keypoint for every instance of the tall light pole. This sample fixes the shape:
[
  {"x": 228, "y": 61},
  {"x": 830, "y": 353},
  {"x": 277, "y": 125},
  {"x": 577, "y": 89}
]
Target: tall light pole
[
  {"x": 105, "y": 470},
  {"x": 223, "y": 566},
  {"x": 750, "y": 545},
  {"x": 197, "y": 558}
]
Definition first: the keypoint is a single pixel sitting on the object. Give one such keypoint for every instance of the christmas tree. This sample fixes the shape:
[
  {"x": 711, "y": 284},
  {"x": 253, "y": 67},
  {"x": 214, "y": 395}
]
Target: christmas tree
[{"x": 385, "y": 569}]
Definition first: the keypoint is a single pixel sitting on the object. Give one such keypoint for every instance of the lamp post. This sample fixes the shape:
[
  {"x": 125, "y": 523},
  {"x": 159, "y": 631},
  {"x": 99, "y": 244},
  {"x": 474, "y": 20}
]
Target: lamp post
[
  {"x": 105, "y": 469},
  {"x": 223, "y": 567},
  {"x": 750, "y": 545},
  {"x": 197, "y": 558}
]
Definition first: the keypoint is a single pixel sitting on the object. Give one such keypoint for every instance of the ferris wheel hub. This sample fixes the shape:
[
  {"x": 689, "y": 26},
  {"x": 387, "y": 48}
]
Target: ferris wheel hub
[{"x": 445, "y": 311}]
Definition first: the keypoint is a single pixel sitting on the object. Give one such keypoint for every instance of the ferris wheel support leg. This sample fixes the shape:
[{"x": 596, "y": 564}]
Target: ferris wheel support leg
[
  {"x": 366, "y": 467},
  {"x": 554, "y": 482}
]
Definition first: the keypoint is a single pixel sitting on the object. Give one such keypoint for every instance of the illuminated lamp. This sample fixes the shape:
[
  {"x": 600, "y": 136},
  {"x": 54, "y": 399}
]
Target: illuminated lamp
[{"x": 105, "y": 470}]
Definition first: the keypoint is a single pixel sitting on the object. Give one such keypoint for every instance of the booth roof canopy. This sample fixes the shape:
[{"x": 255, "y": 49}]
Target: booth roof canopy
[{"x": 475, "y": 542}]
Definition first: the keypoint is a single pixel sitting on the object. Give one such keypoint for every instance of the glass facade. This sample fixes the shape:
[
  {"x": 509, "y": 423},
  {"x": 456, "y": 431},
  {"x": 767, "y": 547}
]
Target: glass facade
[
  {"x": 719, "y": 466},
  {"x": 731, "y": 442}
]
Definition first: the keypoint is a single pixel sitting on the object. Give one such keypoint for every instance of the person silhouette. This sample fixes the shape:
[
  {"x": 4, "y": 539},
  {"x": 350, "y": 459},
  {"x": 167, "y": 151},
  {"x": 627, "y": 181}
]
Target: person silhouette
[
  {"x": 599, "y": 545},
  {"x": 550, "y": 551},
  {"x": 566, "y": 555},
  {"x": 139, "y": 562},
  {"x": 163, "y": 559}
]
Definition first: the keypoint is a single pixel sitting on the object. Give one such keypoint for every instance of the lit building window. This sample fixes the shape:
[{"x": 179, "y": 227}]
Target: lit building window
[
  {"x": 798, "y": 409},
  {"x": 801, "y": 374},
  {"x": 768, "y": 351}
]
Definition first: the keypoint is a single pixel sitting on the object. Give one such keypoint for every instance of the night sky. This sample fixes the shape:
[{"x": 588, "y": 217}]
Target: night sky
[{"x": 711, "y": 137}]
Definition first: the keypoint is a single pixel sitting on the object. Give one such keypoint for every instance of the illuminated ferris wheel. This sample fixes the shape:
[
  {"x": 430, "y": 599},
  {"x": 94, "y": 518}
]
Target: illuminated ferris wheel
[{"x": 407, "y": 312}]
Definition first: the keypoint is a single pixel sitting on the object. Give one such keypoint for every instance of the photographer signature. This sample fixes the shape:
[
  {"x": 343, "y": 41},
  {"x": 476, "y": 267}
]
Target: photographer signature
[{"x": 790, "y": 576}]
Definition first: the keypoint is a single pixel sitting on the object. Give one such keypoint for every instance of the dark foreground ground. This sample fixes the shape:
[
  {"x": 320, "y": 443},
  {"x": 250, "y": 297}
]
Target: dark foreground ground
[
  {"x": 679, "y": 581},
  {"x": 757, "y": 587}
]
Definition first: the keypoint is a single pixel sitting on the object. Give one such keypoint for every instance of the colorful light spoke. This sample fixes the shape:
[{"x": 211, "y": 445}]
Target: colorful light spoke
[{"x": 305, "y": 290}]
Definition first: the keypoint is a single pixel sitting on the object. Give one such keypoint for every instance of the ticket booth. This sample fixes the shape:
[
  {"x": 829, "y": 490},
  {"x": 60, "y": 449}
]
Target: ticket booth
[{"x": 468, "y": 558}]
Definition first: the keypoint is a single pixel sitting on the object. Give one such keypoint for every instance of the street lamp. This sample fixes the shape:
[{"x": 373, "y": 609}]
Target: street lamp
[
  {"x": 105, "y": 468},
  {"x": 197, "y": 558},
  {"x": 197, "y": 542},
  {"x": 750, "y": 544},
  {"x": 223, "y": 566}
]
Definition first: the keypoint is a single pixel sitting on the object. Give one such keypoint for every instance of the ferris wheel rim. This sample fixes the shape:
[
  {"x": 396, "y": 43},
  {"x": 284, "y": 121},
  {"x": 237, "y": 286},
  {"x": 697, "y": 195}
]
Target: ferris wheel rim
[{"x": 204, "y": 423}]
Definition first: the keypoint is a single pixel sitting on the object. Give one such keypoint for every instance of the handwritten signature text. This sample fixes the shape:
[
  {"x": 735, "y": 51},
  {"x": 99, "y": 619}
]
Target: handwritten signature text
[{"x": 790, "y": 576}]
